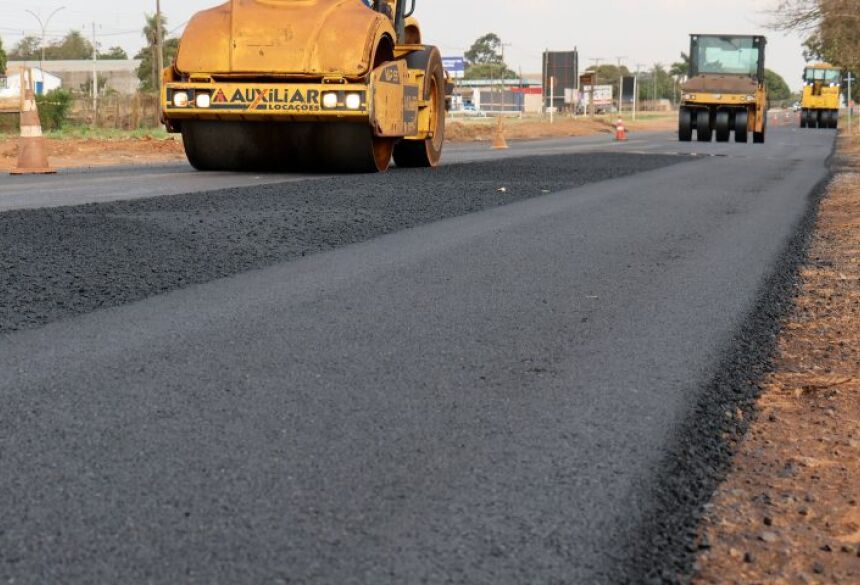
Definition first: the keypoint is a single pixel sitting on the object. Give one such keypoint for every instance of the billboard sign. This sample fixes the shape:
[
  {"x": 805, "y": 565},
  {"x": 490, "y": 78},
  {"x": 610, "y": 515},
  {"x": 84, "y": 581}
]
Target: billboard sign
[{"x": 455, "y": 66}]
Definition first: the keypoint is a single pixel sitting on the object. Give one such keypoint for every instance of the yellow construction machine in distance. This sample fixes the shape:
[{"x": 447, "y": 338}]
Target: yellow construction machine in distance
[
  {"x": 726, "y": 90},
  {"x": 320, "y": 85},
  {"x": 822, "y": 96}
]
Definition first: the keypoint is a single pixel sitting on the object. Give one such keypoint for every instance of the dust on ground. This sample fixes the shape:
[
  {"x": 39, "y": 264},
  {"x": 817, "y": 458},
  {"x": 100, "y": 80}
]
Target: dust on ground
[
  {"x": 484, "y": 129},
  {"x": 75, "y": 152},
  {"x": 94, "y": 152},
  {"x": 789, "y": 512}
]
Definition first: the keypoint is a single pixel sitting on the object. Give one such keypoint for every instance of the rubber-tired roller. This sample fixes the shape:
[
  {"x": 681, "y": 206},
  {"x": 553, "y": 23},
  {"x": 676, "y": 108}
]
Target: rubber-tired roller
[
  {"x": 822, "y": 96},
  {"x": 314, "y": 85},
  {"x": 726, "y": 90}
]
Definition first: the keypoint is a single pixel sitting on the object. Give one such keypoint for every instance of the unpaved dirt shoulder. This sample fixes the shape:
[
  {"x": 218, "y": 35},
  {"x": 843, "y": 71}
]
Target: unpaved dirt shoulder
[
  {"x": 94, "y": 152},
  {"x": 789, "y": 511},
  {"x": 67, "y": 153}
]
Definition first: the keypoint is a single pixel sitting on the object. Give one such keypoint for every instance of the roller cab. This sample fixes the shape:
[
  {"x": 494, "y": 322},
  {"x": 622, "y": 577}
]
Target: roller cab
[
  {"x": 822, "y": 96},
  {"x": 725, "y": 92},
  {"x": 327, "y": 85}
]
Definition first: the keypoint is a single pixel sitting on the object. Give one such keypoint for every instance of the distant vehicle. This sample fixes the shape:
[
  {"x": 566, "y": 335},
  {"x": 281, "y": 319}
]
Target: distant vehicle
[
  {"x": 726, "y": 89},
  {"x": 822, "y": 87},
  {"x": 795, "y": 106}
]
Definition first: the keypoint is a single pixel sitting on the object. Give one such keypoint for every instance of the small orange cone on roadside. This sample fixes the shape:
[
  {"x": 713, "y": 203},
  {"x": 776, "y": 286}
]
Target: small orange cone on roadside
[
  {"x": 620, "y": 132},
  {"x": 32, "y": 154},
  {"x": 499, "y": 142}
]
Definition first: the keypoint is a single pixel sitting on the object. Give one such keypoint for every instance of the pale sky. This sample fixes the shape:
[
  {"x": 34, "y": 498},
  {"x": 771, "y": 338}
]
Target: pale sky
[{"x": 640, "y": 31}]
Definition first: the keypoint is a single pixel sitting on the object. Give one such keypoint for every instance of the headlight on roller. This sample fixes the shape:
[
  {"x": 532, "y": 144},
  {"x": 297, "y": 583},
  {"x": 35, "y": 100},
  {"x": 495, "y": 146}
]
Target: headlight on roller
[
  {"x": 353, "y": 101},
  {"x": 750, "y": 98},
  {"x": 203, "y": 100},
  {"x": 180, "y": 99},
  {"x": 329, "y": 100}
]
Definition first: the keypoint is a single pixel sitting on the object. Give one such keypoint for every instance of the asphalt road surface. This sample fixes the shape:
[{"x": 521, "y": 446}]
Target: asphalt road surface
[{"x": 474, "y": 393}]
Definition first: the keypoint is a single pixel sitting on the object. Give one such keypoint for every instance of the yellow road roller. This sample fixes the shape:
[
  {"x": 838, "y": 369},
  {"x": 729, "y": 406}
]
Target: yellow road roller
[
  {"x": 311, "y": 85},
  {"x": 725, "y": 91},
  {"x": 822, "y": 95}
]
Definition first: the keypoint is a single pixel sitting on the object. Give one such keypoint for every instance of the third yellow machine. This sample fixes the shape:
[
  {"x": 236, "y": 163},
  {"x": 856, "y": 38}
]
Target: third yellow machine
[
  {"x": 331, "y": 85},
  {"x": 726, "y": 90},
  {"x": 822, "y": 95}
]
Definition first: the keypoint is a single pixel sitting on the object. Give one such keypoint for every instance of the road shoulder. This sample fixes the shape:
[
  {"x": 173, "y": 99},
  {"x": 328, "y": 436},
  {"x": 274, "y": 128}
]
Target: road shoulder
[{"x": 789, "y": 510}]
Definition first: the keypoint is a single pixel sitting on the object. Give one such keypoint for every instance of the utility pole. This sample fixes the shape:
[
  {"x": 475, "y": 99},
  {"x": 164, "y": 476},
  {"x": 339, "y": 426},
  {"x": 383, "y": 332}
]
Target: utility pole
[
  {"x": 620, "y": 86},
  {"x": 850, "y": 79},
  {"x": 596, "y": 61},
  {"x": 44, "y": 27},
  {"x": 502, "y": 79},
  {"x": 95, "y": 79},
  {"x": 639, "y": 66},
  {"x": 159, "y": 44}
]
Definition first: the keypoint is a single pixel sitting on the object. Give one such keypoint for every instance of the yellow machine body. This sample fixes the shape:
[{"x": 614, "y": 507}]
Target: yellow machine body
[
  {"x": 726, "y": 91},
  {"x": 822, "y": 96},
  {"x": 270, "y": 72}
]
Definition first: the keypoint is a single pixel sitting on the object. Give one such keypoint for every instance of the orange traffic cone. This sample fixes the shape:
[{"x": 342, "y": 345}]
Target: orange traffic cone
[
  {"x": 32, "y": 155},
  {"x": 620, "y": 132},
  {"x": 499, "y": 142}
]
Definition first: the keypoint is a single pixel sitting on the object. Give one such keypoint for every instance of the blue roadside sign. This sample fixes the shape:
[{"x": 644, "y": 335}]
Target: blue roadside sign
[{"x": 455, "y": 66}]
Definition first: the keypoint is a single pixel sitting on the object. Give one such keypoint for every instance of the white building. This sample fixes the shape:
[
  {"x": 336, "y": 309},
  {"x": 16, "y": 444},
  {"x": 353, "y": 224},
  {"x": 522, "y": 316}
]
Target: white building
[
  {"x": 117, "y": 75},
  {"x": 46, "y": 81}
]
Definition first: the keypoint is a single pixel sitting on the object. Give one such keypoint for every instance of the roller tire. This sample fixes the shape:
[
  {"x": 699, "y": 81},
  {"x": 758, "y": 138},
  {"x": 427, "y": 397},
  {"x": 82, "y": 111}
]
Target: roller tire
[
  {"x": 721, "y": 124},
  {"x": 834, "y": 119},
  {"x": 685, "y": 125},
  {"x": 741, "y": 126},
  {"x": 814, "y": 119},
  {"x": 428, "y": 152},
  {"x": 279, "y": 147},
  {"x": 804, "y": 118},
  {"x": 703, "y": 126}
]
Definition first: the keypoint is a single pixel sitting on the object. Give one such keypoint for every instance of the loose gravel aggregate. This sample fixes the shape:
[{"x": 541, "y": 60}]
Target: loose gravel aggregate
[{"x": 59, "y": 262}]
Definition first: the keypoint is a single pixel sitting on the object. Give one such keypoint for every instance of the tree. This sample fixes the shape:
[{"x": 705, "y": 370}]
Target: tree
[
  {"x": 73, "y": 46},
  {"x": 777, "y": 88},
  {"x": 148, "y": 64},
  {"x": 2, "y": 59},
  {"x": 149, "y": 77},
  {"x": 609, "y": 73},
  {"x": 484, "y": 59},
  {"x": 657, "y": 84},
  {"x": 681, "y": 69},
  {"x": 832, "y": 28},
  {"x": 27, "y": 49},
  {"x": 114, "y": 54}
]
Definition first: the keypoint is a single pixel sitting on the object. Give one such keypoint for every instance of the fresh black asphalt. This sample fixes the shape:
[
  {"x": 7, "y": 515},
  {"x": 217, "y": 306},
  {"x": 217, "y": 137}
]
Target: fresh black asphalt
[
  {"x": 495, "y": 397},
  {"x": 57, "y": 262}
]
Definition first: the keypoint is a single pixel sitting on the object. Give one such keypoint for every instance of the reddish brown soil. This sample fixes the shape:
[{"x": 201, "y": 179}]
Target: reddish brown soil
[
  {"x": 515, "y": 129},
  {"x": 72, "y": 152},
  {"x": 790, "y": 510}
]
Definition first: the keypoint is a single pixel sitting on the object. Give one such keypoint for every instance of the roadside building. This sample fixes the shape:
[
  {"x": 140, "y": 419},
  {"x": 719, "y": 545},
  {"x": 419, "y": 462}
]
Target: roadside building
[
  {"x": 489, "y": 96},
  {"x": 43, "y": 81},
  {"x": 118, "y": 76}
]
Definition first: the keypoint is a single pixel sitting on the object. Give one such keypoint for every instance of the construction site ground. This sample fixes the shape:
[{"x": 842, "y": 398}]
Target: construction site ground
[
  {"x": 80, "y": 149},
  {"x": 789, "y": 511}
]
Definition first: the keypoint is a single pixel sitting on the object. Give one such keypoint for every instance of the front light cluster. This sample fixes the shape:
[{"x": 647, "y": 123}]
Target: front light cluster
[
  {"x": 202, "y": 99},
  {"x": 331, "y": 101}
]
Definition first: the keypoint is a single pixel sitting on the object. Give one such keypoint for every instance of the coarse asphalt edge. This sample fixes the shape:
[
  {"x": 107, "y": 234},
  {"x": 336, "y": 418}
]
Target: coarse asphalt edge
[{"x": 667, "y": 543}]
